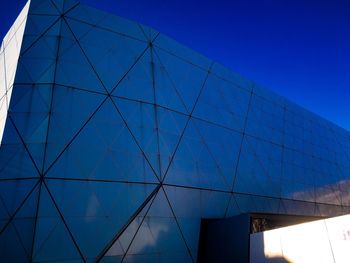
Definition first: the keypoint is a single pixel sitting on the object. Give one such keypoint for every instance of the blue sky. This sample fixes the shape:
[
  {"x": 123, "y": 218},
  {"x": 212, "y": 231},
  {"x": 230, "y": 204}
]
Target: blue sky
[{"x": 299, "y": 49}]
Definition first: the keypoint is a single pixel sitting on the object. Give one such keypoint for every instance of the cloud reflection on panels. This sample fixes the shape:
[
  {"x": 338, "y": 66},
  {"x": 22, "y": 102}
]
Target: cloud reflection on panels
[{"x": 117, "y": 140}]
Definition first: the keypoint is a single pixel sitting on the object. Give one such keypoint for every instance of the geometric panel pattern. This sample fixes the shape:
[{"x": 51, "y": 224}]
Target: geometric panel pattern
[{"x": 116, "y": 141}]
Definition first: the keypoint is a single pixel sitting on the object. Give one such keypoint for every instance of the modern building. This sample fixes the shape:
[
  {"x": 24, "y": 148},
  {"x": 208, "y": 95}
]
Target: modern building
[{"x": 117, "y": 142}]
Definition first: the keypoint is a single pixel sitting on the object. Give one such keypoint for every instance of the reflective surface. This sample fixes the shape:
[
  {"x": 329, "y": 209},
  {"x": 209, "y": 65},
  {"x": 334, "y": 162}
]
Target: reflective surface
[{"x": 118, "y": 140}]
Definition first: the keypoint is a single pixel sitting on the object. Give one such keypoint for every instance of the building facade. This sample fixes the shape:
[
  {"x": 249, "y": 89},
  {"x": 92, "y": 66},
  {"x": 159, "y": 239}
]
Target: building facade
[{"x": 117, "y": 141}]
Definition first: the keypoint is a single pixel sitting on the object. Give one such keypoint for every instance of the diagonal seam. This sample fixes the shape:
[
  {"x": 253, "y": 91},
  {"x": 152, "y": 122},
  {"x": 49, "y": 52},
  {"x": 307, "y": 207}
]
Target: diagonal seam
[
  {"x": 105, "y": 29},
  {"x": 134, "y": 138},
  {"x": 84, "y": 54},
  {"x": 150, "y": 198},
  {"x": 143, "y": 31},
  {"x": 19, "y": 207},
  {"x": 36, "y": 220},
  {"x": 51, "y": 100},
  {"x": 50, "y": 233},
  {"x": 136, "y": 61},
  {"x": 155, "y": 109},
  {"x": 15, "y": 228},
  {"x": 183, "y": 59},
  {"x": 55, "y": 6},
  {"x": 224, "y": 99},
  {"x": 211, "y": 154},
  {"x": 91, "y": 64},
  {"x": 9, "y": 160},
  {"x": 257, "y": 158},
  {"x": 139, "y": 226},
  {"x": 95, "y": 72},
  {"x": 178, "y": 225},
  {"x": 68, "y": 10},
  {"x": 64, "y": 221},
  {"x": 242, "y": 139},
  {"x": 24, "y": 145},
  {"x": 36, "y": 5},
  {"x": 88, "y": 120},
  {"x": 172, "y": 83},
  {"x": 14, "y": 225},
  {"x": 73, "y": 138},
  {"x": 188, "y": 120},
  {"x": 41, "y": 35}
]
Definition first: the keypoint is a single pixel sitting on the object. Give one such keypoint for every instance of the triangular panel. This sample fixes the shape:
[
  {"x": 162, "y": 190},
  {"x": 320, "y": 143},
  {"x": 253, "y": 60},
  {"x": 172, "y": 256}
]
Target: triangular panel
[
  {"x": 98, "y": 209},
  {"x": 36, "y": 26},
  {"x": 166, "y": 92},
  {"x": 232, "y": 208},
  {"x": 188, "y": 79},
  {"x": 12, "y": 195},
  {"x": 86, "y": 14},
  {"x": 112, "y": 155},
  {"x": 37, "y": 63},
  {"x": 70, "y": 110},
  {"x": 223, "y": 103},
  {"x": 110, "y": 54},
  {"x": 138, "y": 82},
  {"x": 149, "y": 32},
  {"x": 266, "y": 119},
  {"x": 16, "y": 239},
  {"x": 190, "y": 206},
  {"x": 64, "y": 6},
  {"x": 223, "y": 145},
  {"x": 116, "y": 251},
  {"x": 52, "y": 239},
  {"x": 15, "y": 160},
  {"x": 40, "y": 7},
  {"x": 173, "y": 47},
  {"x": 29, "y": 110},
  {"x": 159, "y": 237},
  {"x": 157, "y": 130},
  {"x": 194, "y": 165},
  {"x": 259, "y": 162},
  {"x": 141, "y": 120},
  {"x": 73, "y": 67},
  {"x": 107, "y": 22}
]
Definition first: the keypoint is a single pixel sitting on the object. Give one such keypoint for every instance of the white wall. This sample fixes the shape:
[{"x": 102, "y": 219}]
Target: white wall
[
  {"x": 9, "y": 54},
  {"x": 318, "y": 241}
]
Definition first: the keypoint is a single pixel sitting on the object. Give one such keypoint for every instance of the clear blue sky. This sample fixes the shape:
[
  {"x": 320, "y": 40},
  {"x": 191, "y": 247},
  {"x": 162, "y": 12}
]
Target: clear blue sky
[{"x": 297, "y": 48}]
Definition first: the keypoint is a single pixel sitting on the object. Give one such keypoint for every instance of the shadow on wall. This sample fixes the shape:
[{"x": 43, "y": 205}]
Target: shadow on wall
[
  {"x": 277, "y": 260},
  {"x": 258, "y": 253}
]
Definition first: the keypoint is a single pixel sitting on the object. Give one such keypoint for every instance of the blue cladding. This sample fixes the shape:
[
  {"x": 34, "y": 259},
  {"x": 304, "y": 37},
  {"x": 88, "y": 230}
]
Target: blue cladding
[{"x": 117, "y": 140}]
